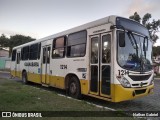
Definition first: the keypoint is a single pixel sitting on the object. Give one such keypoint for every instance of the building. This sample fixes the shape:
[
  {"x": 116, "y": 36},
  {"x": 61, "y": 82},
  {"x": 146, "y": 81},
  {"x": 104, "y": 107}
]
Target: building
[
  {"x": 4, "y": 53},
  {"x": 4, "y": 59},
  {"x": 156, "y": 64}
]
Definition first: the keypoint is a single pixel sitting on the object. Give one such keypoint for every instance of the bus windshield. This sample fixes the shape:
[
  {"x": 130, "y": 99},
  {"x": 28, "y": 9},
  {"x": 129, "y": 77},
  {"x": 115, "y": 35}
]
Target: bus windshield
[{"x": 133, "y": 56}]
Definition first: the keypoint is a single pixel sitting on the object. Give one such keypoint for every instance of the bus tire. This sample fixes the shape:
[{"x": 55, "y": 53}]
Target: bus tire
[
  {"x": 74, "y": 88},
  {"x": 24, "y": 78}
]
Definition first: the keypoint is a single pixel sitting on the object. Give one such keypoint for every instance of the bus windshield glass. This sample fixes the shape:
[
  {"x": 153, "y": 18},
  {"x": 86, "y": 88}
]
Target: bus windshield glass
[
  {"x": 135, "y": 55},
  {"x": 132, "y": 26}
]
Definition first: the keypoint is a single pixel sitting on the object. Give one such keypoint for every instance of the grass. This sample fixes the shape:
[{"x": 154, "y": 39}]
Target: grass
[
  {"x": 28, "y": 98},
  {"x": 17, "y": 97}
]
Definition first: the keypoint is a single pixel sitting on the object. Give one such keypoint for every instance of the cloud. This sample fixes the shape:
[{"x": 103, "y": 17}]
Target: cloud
[{"x": 142, "y": 7}]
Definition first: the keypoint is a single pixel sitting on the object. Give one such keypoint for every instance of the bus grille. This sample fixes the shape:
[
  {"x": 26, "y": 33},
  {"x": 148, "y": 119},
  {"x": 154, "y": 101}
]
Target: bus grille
[
  {"x": 140, "y": 91},
  {"x": 139, "y": 85},
  {"x": 139, "y": 78}
]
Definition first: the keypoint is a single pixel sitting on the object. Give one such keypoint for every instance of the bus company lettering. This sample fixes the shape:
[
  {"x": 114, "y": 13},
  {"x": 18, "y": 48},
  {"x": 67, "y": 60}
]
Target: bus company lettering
[
  {"x": 99, "y": 30},
  {"x": 31, "y": 64}
]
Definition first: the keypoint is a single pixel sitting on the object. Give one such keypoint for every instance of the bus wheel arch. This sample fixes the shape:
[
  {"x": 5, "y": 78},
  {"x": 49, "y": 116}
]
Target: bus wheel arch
[
  {"x": 73, "y": 86},
  {"x": 24, "y": 77}
]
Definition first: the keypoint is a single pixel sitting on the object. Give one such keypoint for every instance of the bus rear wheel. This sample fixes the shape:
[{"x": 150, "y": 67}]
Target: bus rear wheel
[
  {"x": 24, "y": 78},
  {"x": 74, "y": 88}
]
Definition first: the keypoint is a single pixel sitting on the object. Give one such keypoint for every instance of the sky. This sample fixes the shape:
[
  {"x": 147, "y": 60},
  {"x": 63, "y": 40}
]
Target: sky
[{"x": 41, "y": 18}]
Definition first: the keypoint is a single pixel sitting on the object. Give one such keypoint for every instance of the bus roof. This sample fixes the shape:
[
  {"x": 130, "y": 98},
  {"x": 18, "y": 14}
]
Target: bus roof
[{"x": 109, "y": 19}]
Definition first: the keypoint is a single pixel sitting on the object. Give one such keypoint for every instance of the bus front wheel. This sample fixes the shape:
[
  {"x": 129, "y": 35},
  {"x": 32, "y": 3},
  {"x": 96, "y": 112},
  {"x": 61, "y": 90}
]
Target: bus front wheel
[{"x": 74, "y": 88}]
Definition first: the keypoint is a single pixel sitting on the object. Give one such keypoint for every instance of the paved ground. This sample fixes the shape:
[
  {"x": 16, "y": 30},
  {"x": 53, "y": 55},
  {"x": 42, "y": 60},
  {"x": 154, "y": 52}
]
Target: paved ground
[
  {"x": 4, "y": 74},
  {"x": 148, "y": 103}
]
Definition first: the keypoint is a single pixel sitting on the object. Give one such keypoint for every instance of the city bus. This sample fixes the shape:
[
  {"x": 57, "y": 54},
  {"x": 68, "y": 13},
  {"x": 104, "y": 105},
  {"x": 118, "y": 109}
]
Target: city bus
[{"x": 108, "y": 59}]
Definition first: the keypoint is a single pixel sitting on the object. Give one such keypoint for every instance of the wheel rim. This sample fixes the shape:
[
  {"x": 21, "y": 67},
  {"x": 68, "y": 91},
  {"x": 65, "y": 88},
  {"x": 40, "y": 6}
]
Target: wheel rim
[{"x": 73, "y": 88}]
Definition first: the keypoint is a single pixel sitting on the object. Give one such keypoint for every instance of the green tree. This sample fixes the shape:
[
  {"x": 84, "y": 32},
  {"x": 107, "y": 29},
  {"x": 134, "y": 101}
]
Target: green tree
[
  {"x": 156, "y": 51},
  {"x": 14, "y": 41},
  {"x": 153, "y": 26},
  {"x": 3, "y": 41},
  {"x": 136, "y": 17}
]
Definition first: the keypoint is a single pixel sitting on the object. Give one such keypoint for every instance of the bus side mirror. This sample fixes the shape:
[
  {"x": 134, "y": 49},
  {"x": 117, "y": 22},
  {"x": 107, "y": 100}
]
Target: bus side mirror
[{"x": 122, "y": 39}]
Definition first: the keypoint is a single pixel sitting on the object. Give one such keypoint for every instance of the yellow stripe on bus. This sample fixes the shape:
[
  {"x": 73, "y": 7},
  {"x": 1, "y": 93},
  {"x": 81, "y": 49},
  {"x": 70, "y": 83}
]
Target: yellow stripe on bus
[{"x": 118, "y": 93}]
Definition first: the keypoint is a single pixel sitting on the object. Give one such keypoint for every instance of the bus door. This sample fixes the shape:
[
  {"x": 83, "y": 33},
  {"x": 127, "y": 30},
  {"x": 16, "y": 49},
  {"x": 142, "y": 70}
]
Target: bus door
[
  {"x": 18, "y": 64},
  {"x": 100, "y": 64},
  {"x": 46, "y": 64}
]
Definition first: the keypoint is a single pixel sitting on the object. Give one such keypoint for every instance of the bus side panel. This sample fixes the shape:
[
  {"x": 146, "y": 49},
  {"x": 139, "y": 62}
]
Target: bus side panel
[
  {"x": 34, "y": 77},
  {"x": 34, "y": 74},
  {"x": 84, "y": 86},
  {"x": 74, "y": 66},
  {"x": 57, "y": 74},
  {"x": 57, "y": 81},
  {"x": 13, "y": 69},
  {"x": 84, "y": 76},
  {"x": 18, "y": 74},
  {"x": 60, "y": 68}
]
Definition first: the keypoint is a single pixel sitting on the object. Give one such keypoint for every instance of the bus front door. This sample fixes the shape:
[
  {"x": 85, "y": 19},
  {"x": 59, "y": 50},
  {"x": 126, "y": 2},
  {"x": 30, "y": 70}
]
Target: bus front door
[
  {"x": 45, "y": 64},
  {"x": 100, "y": 62}
]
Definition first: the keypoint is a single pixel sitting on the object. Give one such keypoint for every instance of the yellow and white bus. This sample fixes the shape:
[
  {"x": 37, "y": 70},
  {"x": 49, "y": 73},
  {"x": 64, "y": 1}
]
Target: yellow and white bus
[{"x": 109, "y": 59}]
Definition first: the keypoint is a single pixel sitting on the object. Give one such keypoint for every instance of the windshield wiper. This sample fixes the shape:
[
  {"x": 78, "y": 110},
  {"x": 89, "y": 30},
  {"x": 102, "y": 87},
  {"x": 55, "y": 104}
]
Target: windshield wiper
[
  {"x": 129, "y": 33},
  {"x": 134, "y": 44},
  {"x": 144, "y": 47}
]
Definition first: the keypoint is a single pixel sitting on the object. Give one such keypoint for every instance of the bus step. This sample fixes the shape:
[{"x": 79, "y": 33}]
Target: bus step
[{"x": 45, "y": 85}]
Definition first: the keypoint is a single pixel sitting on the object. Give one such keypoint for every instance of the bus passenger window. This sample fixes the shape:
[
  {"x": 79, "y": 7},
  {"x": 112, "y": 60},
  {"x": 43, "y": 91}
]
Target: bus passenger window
[
  {"x": 106, "y": 48},
  {"x": 58, "y": 48},
  {"x": 77, "y": 44},
  {"x": 25, "y": 53},
  {"x": 33, "y": 54}
]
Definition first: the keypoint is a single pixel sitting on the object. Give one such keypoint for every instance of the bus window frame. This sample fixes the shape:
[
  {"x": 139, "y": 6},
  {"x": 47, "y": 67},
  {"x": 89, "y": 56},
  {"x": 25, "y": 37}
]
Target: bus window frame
[
  {"x": 76, "y": 44},
  {"x": 64, "y": 46}
]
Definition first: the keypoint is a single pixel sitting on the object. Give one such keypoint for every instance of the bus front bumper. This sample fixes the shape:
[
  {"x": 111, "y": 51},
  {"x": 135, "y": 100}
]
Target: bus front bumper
[{"x": 122, "y": 94}]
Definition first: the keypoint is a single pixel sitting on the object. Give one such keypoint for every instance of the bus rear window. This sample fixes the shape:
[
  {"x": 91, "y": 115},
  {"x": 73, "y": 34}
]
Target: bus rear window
[{"x": 13, "y": 55}]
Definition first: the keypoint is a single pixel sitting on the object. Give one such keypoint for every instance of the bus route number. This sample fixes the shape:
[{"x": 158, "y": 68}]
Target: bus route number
[
  {"x": 123, "y": 72},
  {"x": 63, "y": 66}
]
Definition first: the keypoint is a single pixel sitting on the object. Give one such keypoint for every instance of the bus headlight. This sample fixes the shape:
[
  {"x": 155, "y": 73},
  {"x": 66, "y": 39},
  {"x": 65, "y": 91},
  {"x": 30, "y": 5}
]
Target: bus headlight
[{"x": 124, "y": 82}]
